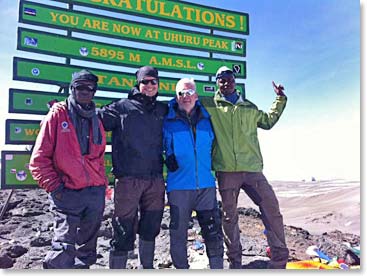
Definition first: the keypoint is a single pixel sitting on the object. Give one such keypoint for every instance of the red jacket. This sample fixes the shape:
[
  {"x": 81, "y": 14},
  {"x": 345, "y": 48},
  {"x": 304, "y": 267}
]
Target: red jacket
[{"x": 57, "y": 157}]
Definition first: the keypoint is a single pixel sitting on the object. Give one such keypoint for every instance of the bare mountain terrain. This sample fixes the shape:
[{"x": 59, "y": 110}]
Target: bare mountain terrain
[{"x": 26, "y": 232}]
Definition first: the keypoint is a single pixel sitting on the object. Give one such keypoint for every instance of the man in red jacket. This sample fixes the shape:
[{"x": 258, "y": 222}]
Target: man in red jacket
[{"x": 68, "y": 162}]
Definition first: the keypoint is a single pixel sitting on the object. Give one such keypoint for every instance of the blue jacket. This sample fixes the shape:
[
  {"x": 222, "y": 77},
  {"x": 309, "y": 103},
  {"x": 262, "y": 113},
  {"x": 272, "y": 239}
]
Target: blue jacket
[{"x": 193, "y": 156}]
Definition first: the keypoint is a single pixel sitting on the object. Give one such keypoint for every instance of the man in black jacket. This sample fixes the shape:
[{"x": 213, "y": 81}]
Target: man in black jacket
[{"x": 136, "y": 125}]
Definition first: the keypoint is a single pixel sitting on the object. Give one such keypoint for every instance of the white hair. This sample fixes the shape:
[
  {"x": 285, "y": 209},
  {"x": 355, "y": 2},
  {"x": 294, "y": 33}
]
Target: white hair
[{"x": 180, "y": 84}]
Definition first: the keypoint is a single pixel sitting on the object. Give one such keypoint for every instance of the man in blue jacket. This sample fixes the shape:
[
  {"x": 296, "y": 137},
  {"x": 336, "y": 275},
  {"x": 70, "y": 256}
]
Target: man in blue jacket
[{"x": 187, "y": 140}]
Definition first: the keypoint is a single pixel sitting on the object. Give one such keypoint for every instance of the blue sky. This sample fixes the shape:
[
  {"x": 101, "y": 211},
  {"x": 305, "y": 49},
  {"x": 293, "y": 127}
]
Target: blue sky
[{"x": 312, "y": 47}]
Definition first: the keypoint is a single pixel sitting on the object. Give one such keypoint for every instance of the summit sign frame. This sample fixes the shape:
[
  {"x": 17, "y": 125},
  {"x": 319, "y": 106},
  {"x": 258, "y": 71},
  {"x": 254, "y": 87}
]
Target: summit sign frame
[{"x": 176, "y": 11}]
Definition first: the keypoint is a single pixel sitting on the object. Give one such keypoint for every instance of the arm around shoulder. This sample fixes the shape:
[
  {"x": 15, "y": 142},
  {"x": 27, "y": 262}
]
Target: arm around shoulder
[{"x": 110, "y": 115}]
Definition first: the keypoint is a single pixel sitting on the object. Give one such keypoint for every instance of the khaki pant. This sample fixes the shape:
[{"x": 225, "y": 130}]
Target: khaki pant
[
  {"x": 133, "y": 193},
  {"x": 258, "y": 189},
  {"x": 139, "y": 204}
]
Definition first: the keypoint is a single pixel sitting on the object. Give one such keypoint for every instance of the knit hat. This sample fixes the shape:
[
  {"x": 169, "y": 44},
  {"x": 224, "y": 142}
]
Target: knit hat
[
  {"x": 83, "y": 75},
  {"x": 146, "y": 71}
]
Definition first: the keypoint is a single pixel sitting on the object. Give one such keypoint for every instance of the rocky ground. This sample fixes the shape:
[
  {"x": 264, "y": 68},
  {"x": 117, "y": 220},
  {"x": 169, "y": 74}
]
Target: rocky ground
[{"x": 26, "y": 232}]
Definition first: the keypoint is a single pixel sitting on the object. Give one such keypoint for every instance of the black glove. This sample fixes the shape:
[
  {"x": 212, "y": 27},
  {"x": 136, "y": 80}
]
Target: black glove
[{"x": 171, "y": 163}]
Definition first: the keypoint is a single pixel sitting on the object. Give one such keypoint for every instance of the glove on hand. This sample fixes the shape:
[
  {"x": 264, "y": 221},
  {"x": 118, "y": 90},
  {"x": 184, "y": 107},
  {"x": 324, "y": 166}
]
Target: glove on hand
[{"x": 171, "y": 163}]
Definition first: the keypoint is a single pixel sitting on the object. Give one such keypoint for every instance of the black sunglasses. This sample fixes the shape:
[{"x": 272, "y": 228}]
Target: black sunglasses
[
  {"x": 153, "y": 82},
  {"x": 82, "y": 87}
]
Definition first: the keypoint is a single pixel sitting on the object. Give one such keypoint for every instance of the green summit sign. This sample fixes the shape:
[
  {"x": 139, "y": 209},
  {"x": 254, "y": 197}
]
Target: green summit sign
[
  {"x": 176, "y": 11},
  {"x": 20, "y": 132},
  {"x": 24, "y": 132},
  {"x": 52, "y": 44},
  {"x": 38, "y": 102},
  {"x": 15, "y": 172},
  {"x": 60, "y": 74},
  {"x": 50, "y": 16}
]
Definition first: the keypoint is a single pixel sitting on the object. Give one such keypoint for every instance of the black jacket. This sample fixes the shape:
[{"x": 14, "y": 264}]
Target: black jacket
[{"x": 136, "y": 124}]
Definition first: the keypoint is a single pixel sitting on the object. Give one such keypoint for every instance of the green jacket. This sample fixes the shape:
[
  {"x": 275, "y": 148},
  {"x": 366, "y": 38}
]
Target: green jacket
[{"x": 236, "y": 148}]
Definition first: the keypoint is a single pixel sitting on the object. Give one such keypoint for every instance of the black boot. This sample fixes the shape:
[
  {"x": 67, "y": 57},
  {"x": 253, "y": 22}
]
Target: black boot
[
  {"x": 118, "y": 259},
  {"x": 216, "y": 262}
]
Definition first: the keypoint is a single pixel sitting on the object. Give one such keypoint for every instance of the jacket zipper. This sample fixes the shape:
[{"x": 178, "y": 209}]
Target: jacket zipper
[
  {"x": 234, "y": 106},
  {"x": 195, "y": 150},
  {"x": 233, "y": 137},
  {"x": 195, "y": 154}
]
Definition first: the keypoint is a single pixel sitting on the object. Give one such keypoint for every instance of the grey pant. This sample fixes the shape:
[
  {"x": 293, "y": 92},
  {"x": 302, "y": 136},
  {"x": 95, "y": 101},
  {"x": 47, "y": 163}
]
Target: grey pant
[
  {"x": 258, "y": 189},
  {"x": 78, "y": 215},
  {"x": 204, "y": 202}
]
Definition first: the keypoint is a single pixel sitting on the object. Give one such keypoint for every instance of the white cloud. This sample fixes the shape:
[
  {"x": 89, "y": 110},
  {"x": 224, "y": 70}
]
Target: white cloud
[{"x": 322, "y": 149}]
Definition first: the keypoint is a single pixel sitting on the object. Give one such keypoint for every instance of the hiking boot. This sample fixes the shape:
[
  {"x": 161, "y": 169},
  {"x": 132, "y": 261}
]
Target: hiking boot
[
  {"x": 118, "y": 260},
  {"x": 276, "y": 265},
  {"x": 235, "y": 265},
  {"x": 216, "y": 262}
]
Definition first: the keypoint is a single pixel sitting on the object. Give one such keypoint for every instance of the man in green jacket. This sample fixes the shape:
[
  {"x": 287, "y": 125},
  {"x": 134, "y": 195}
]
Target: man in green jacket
[{"x": 238, "y": 164}]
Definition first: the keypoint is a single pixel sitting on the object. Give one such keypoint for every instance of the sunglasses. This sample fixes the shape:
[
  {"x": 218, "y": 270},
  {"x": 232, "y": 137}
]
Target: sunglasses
[
  {"x": 89, "y": 88},
  {"x": 188, "y": 92},
  {"x": 153, "y": 82}
]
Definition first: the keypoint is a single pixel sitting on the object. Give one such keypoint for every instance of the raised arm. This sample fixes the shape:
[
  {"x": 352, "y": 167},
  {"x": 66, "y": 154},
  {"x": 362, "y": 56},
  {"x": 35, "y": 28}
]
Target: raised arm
[{"x": 268, "y": 120}]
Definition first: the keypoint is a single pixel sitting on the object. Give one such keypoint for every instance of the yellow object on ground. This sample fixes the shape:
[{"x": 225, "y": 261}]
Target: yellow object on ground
[{"x": 308, "y": 264}]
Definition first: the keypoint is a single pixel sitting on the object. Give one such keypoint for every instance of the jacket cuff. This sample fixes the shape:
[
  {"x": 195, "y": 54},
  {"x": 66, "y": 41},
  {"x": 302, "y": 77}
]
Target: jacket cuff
[{"x": 58, "y": 188}]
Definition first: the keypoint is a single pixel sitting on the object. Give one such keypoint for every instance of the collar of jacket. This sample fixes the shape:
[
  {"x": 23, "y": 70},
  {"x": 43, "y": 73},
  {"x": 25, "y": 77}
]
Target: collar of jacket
[
  {"x": 172, "y": 112},
  {"x": 218, "y": 97},
  {"x": 135, "y": 94}
]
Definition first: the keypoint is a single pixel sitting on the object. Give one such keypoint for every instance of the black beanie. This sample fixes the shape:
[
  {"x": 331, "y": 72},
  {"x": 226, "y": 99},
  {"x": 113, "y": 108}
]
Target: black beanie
[
  {"x": 146, "y": 71},
  {"x": 83, "y": 75}
]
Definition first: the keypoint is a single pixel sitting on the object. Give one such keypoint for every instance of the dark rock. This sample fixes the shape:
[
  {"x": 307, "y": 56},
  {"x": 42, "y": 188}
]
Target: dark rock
[
  {"x": 40, "y": 241},
  {"x": 258, "y": 264},
  {"x": 14, "y": 204},
  {"x": 166, "y": 264},
  {"x": 6, "y": 261},
  {"x": 105, "y": 230},
  {"x": 32, "y": 213},
  {"x": 36, "y": 258},
  {"x": 248, "y": 212},
  {"x": 26, "y": 226},
  {"x": 16, "y": 251},
  {"x": 164, "y": 226},
  {"x": 4, "y": 232}
]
